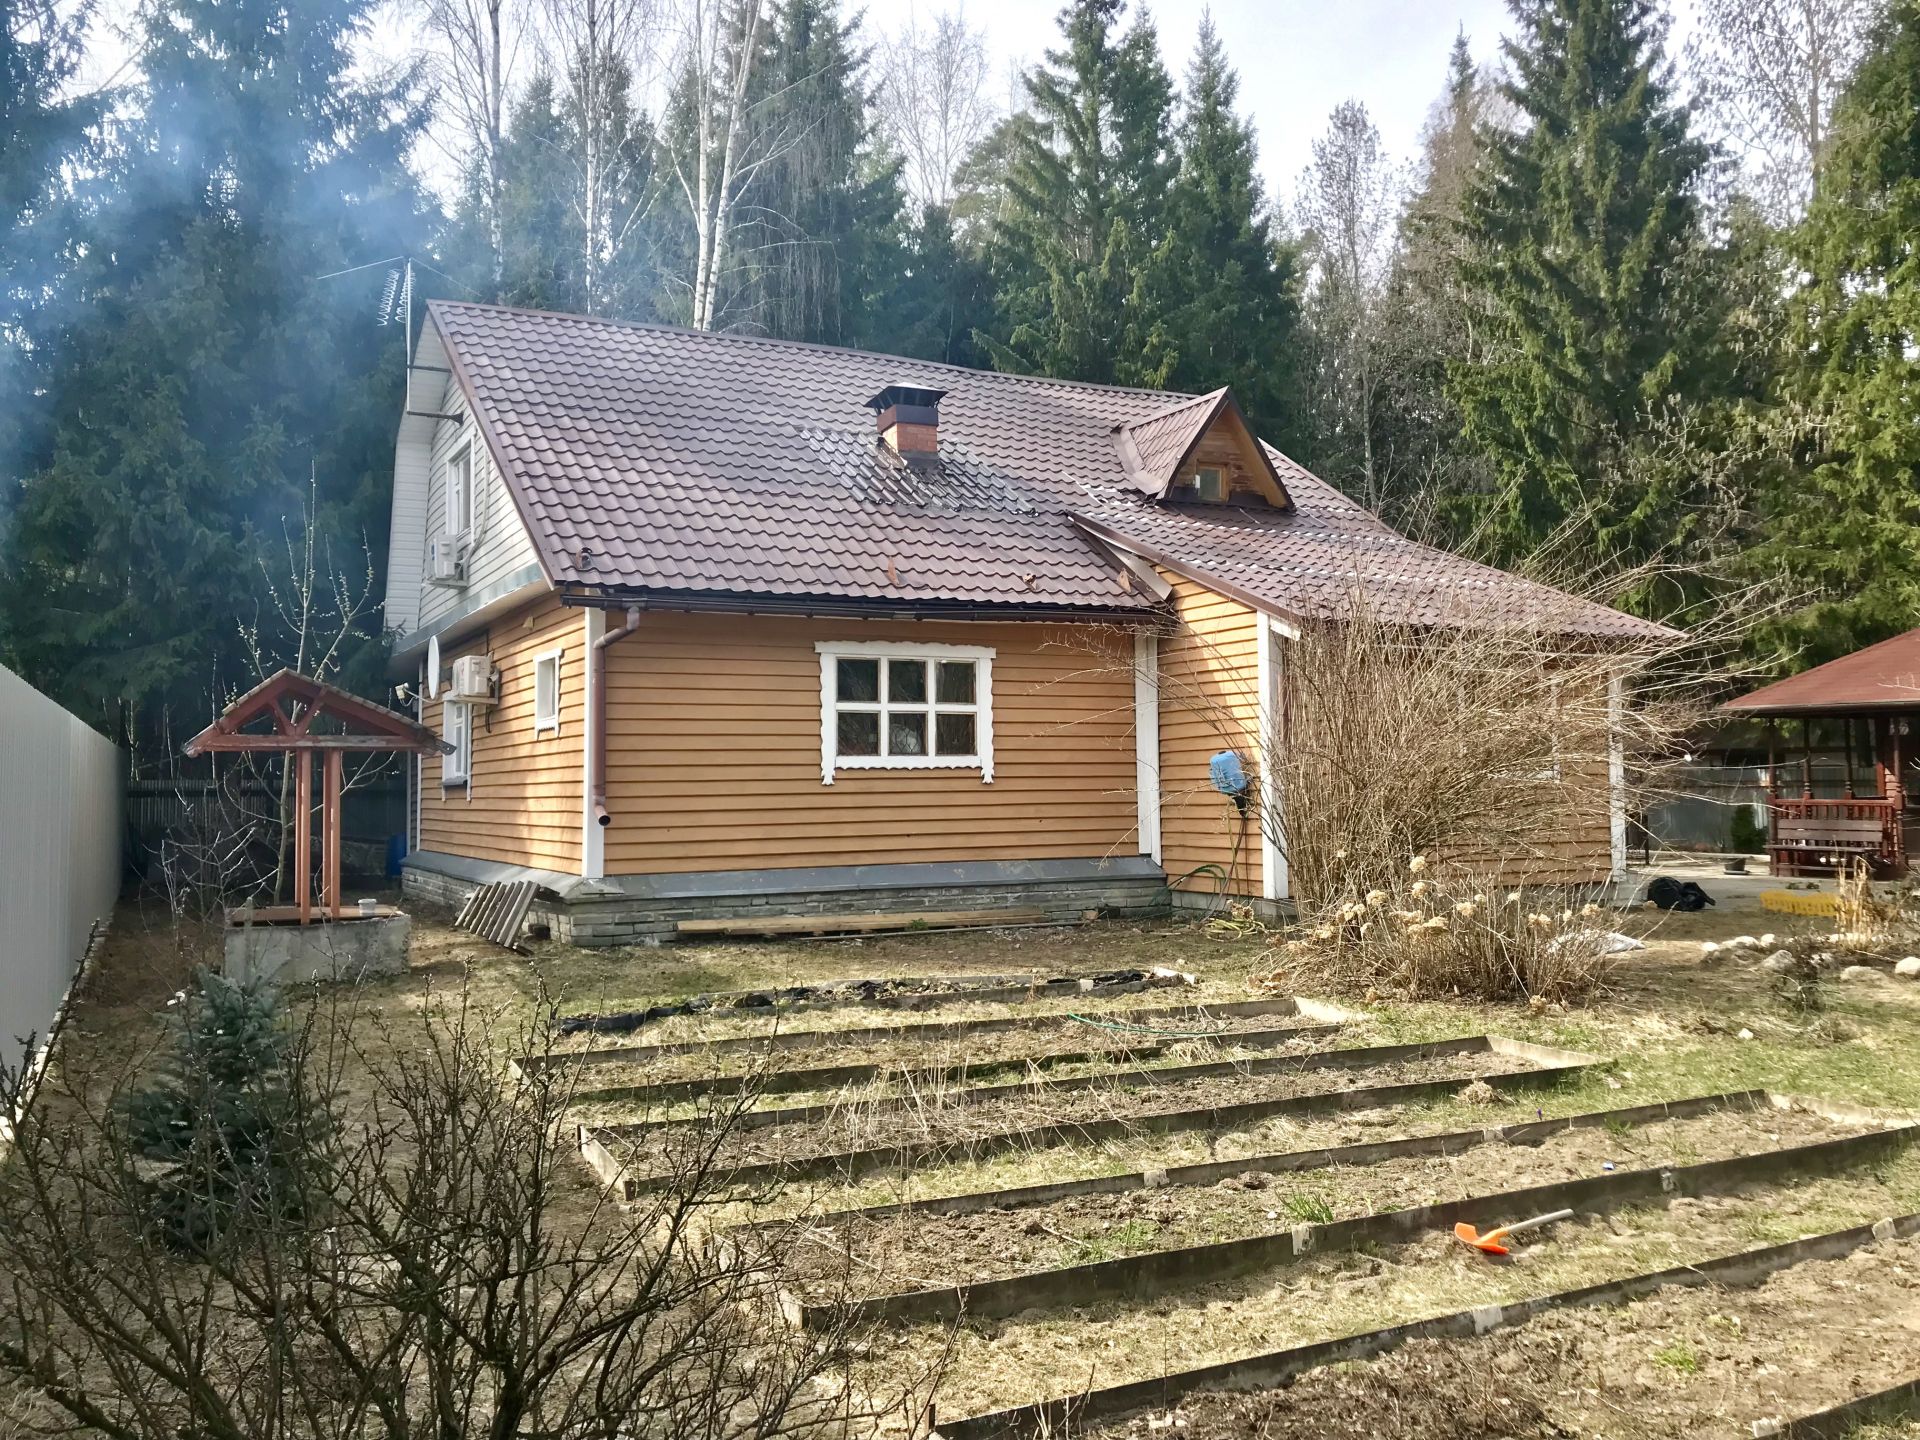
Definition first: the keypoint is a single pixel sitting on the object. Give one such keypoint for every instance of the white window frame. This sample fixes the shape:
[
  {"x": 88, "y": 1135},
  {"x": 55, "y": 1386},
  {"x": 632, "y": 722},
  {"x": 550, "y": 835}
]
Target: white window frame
[
  {"x": 459, "y": 461},
  {"x": 833, "y": 651},
  {"x": 456, "y": 768},
  {"x": 549, "y": 722}
]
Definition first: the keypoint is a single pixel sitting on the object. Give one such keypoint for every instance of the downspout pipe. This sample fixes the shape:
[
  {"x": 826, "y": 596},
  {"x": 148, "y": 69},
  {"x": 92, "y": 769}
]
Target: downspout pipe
[{"x": 599, "y": 663}]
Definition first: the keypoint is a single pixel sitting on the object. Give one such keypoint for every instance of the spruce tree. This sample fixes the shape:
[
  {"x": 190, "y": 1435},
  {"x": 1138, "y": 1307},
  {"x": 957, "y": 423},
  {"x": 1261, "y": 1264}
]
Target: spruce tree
[
  {"x": 1583, "y": 240},
  {"x": 1226, "y": 280},
  {"x": 1843, "y": 517},
  {"x": 200, "y": 362},
  {"x": 1085, "y": 203}
]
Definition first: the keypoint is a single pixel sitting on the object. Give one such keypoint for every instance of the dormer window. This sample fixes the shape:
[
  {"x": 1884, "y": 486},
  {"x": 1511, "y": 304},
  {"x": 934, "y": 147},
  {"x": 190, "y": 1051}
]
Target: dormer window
[{"x": 1209, "y": 484}]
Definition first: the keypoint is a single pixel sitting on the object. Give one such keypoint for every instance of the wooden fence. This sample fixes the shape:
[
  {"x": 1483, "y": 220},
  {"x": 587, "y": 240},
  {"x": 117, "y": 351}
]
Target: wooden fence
[{"x": 61, "y": 788}]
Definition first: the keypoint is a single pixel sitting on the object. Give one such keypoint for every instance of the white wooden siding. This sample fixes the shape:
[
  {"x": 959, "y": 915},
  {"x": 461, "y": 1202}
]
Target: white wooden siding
[
  {"x": 60, "y": 793},
  {"x": 501, "y": 544}
]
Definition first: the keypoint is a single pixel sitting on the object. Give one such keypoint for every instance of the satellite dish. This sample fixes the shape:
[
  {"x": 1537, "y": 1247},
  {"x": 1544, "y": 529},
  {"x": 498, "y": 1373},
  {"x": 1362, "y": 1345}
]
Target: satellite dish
[{"x": 433, "y": 667}]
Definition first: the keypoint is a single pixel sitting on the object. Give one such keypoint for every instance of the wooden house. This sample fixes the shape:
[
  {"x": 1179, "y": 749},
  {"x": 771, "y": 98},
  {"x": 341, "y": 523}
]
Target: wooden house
[
  {"x": 1843, "y": 760},
  {"x": 722, "y": 626}
]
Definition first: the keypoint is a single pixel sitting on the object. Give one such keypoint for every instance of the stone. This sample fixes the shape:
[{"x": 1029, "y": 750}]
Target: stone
[
  {"x": 1780, "y": 962},
  {"x": 1909, "y": 968},
  {"x": 1859, "y": 972},
  {"x": 348, "y": 949}
]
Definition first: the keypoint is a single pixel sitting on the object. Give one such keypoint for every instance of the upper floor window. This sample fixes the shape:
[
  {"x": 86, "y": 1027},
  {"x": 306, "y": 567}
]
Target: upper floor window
[
  {"x": 887, "y": 705},
  {"x": 1209, "y": 483},
  {"x": 460, "y": 490}
]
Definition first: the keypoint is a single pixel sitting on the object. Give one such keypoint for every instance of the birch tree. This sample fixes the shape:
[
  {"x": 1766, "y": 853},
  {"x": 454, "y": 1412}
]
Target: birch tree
[
  {"x": 1772, "y": 70},
  {"x": 711, "y": 151},
  {"x": 1349, "y": 197},
  {"x": 934, "y": 102},
  {"x": 597, "y": 51},
  {"x": 475, "y": 45}
]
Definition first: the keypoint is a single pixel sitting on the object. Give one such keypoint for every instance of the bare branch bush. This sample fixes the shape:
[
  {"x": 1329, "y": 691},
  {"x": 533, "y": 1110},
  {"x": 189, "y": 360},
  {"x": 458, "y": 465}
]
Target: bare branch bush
[{"x": 432, "y": 1260}]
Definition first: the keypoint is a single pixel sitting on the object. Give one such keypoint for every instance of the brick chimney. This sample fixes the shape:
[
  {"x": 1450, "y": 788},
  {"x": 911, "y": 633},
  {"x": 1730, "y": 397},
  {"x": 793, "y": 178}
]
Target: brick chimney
[{"x": 908, "y": 418}]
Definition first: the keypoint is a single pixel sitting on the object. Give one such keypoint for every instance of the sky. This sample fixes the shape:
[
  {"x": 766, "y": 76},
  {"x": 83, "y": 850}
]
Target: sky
[{"x": 1297, "y": 59}]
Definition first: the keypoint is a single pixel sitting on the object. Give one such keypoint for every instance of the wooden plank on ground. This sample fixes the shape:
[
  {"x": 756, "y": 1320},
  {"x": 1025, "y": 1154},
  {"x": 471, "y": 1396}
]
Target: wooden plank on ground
[{"x": 899, "y": 920}]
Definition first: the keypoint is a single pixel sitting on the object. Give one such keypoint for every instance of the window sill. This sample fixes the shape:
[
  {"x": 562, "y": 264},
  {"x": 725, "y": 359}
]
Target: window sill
[{"x": 855, "y": 764}]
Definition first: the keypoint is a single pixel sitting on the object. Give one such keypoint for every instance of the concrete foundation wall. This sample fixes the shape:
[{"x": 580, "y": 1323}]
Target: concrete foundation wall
[{"x": 645, "y": 910}]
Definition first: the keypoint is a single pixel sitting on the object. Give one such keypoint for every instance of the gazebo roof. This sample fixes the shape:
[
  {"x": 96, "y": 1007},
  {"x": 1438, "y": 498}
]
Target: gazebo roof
[
  {"x": 1881, "y": 679},
  {"x": 347, "y": 722}
]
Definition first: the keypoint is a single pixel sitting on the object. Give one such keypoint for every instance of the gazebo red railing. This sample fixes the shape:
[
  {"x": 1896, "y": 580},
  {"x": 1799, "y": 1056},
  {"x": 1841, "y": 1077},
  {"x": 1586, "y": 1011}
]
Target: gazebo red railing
[{"x": 1811, "y": 836}]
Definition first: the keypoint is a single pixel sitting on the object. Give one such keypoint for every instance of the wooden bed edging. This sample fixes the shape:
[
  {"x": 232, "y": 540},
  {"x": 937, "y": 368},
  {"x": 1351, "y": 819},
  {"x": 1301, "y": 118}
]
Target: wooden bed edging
[
  {"x": 1838, "y": 1421},
  {"x": 826, "y": 1077},
  {"x": 1285, "y": 1162},
  {"x": 1358, "y": 1058},
  {"x": 1276, "y": 1368},
  {"x": 850, "y": 1164},
  {"x": 1157, "y": 1272},
  {"x": 926, "y": 1030}
]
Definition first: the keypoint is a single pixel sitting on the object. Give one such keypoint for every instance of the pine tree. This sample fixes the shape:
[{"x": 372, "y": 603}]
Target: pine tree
[
  {"x": 1583, "y": 239},
  {"x": 1844, "y": 516},
  {"x": 1224, "y": 277},
  {"x": 199, "y": 363},
  {"x": 1085, "y": 191}
]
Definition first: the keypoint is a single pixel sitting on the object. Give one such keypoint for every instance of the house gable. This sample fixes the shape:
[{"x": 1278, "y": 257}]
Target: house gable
[{"x": 1200, "y": 450}]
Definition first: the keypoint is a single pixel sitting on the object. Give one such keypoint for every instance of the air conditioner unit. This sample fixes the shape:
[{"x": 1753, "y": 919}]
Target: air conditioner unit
[
  {"x": 446, "y": 563},
  {"x": 472, "y": 680}
]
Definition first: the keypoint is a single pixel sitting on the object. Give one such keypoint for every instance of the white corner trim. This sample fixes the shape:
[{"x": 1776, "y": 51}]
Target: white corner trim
[
  {"x": 1274, "y": 881},
  {"x": 1617, "y": 772},
  {"x": 593, "y": 840},
  {"x": 831, "y": 762},
  {"x": 549, "y": 724},
  {"x": 1146, "y": 740}
]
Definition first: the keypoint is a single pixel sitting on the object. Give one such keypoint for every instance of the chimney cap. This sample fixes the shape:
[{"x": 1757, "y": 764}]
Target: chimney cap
[{"x": 902, "y": 394}]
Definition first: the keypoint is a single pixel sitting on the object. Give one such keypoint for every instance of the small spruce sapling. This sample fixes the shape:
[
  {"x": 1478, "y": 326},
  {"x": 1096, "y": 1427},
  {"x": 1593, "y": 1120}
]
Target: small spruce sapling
[{"x": 223, "y": 1123}]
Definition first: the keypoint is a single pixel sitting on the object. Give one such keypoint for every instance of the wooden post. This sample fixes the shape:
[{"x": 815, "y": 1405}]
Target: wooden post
[
  {"x": 1806, "y": 758},
  {"x": 302, "y": 832},
  {"x": 330, "y": 832}
]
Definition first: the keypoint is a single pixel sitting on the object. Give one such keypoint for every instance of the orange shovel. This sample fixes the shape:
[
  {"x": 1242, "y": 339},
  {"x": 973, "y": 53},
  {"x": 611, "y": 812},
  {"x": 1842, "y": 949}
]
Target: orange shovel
[{"x": 1490, "y": 1243}]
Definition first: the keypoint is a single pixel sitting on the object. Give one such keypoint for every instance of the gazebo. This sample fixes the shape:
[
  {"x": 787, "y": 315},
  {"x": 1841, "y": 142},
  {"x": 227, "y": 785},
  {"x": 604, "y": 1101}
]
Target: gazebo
[
  {"x": 1843, "y": 760},
  {"x": 302, "y": 718}
]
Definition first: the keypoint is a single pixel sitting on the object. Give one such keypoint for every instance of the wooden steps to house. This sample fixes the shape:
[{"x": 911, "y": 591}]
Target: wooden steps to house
[{"x": 906, "y": 920}]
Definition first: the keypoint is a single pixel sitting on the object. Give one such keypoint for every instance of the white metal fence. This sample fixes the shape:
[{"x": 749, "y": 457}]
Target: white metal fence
[{"x": 60, "y": 802}]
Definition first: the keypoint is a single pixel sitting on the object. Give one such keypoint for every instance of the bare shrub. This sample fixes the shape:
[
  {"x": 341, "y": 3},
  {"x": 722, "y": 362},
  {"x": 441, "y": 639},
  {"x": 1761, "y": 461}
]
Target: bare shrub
[
  {"x": 440, "y": 1263},
  {"x": 1432, "y": 933}
]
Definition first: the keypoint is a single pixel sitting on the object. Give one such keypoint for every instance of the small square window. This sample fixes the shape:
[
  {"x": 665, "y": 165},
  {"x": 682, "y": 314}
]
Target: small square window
[
  {"x": 954, "y": 735},
  {"x": 546, "y": 692},
  {"x": 907, "y": 682},
  {"x": 1209, "y": 483},
  {"x": 956, "y": 682},
  {"x": 859, "y": 682},
  {"x": 907, "y": 732},
  {"x": 859, "y": 732}
]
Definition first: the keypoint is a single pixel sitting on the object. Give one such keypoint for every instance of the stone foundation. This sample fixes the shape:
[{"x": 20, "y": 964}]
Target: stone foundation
[
  {"x": 645, "y": 909},
  {"x": 350, "y": 948}
]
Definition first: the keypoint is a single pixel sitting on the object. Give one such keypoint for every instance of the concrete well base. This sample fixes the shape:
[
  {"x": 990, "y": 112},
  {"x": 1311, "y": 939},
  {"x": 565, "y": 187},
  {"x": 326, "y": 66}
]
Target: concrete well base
[{"x": 350, "y": 948}]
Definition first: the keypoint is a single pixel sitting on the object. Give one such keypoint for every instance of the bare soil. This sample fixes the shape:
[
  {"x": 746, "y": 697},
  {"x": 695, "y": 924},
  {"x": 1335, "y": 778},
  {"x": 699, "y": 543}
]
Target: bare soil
[
  {"x": 1173, "y": 1039},
  {"x": 1705, "y": 1362},
  {"x": 858, "y": 1126},
  {"x": 1046, "y": 1354},
  {"x": 912, "y": 1252}
]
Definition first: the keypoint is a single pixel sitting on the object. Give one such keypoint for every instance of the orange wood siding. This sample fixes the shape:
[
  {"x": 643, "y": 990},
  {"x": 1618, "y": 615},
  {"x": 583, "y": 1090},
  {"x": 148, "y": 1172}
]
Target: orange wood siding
[
  {"x": 1209, "y": 702},
  {"x": 522, "y": 802},
  {"x": 713, "y": 744}
]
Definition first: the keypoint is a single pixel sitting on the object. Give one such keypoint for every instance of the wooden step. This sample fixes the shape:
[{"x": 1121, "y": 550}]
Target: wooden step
[{"x": 861, "y": 924}]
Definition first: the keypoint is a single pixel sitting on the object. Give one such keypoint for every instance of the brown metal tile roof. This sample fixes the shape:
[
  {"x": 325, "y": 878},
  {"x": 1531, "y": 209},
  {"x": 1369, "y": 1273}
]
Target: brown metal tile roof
[
  {"x": 675, "y": 462},
  {"x": 1152, "y": 450},
  {"x": 1881, "y": 677}
]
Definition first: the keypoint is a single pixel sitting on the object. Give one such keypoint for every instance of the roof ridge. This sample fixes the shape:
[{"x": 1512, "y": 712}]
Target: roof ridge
[{"x": 657, "y": 327}]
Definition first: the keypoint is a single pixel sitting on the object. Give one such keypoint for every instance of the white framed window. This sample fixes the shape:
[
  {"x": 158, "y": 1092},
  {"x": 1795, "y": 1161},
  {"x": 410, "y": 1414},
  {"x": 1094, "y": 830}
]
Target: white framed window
[
  {"x": 457, "y": 731},
  {"x": 460, "y": 490},
  {"x": 1209, "y": 483},
  {"x": 894, "y": 705},
  {"x": 546, "y": 692}
]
